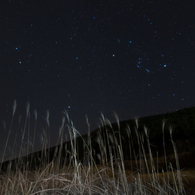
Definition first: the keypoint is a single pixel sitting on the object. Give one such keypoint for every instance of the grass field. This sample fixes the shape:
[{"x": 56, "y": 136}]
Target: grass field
[{"x": 78, "y": 168}]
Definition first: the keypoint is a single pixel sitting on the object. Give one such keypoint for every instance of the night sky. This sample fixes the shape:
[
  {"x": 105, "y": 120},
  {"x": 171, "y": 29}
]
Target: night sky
[{"x": 136, "y": 58}]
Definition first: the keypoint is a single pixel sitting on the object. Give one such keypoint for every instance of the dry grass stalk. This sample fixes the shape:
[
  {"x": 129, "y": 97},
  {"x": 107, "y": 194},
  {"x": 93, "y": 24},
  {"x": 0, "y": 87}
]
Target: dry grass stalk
[{"x": 68, "y": 174}]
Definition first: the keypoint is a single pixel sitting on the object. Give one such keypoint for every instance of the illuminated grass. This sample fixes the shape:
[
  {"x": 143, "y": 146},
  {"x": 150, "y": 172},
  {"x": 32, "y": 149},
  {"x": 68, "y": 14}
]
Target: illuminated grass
[{"x": 76, "y": 167}]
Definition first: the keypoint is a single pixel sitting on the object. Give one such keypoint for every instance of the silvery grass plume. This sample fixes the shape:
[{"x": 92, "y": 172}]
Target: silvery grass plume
[{"x": 94, "y": 163}]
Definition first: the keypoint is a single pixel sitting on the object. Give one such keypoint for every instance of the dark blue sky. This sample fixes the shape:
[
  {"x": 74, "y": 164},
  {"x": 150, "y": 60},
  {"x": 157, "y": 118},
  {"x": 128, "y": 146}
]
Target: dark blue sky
[{"x": 133, "y": 57}]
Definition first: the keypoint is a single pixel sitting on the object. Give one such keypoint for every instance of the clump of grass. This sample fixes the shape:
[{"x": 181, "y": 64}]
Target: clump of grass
[{"x": 72, "y": 168}]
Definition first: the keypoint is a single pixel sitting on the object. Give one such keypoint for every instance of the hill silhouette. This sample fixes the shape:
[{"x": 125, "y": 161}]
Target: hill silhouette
[{"x": 181, "y": 125}]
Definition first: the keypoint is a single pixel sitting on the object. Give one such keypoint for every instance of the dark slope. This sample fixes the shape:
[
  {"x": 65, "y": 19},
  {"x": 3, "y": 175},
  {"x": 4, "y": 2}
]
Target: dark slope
[{"x": 182, "y": 123}]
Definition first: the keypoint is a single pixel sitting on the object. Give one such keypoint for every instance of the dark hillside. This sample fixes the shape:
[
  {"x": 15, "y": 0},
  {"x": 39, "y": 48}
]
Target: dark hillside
[{"x": 182, "y": 123}]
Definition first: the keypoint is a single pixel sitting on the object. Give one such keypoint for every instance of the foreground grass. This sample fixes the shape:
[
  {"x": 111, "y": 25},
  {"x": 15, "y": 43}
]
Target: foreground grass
[{"x": 65, "y": 170}]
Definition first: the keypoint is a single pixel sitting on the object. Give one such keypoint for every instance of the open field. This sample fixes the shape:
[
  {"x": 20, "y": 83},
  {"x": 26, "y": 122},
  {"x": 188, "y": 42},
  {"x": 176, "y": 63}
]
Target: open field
[{"x": 110, "y": 160}]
